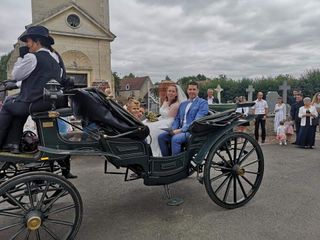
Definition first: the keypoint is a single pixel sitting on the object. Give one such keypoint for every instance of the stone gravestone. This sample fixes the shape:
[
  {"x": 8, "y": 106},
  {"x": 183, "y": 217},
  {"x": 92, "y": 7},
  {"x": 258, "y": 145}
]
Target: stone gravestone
[
  {"x": 218, "y": 89},
  {"x": 250, "y": 90},
  {"x": 271, "y": 98},
  {"x": 285, "y": 87}
]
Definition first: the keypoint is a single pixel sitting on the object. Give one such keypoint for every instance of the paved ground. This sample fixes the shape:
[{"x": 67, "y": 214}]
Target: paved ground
[{"x": 287, "y": 205}]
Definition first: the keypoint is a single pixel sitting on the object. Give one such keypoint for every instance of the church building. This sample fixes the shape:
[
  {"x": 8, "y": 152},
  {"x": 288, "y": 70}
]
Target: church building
[{"x": 82, "y": 36}]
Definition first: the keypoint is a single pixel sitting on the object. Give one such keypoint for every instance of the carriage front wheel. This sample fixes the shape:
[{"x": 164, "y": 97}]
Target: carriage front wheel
[
  {"x": 46, "y": 206},
  {"x": 233, "y": 170}
]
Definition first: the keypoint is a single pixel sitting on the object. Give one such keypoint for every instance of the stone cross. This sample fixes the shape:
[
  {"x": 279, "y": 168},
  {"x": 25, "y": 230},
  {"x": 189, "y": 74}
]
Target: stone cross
[
  {"x": 272, "y": 98},
  {"x": 250, "y": 90},
  {"x": 284, "y": 87},
  {"x": 218, "y": 89}
]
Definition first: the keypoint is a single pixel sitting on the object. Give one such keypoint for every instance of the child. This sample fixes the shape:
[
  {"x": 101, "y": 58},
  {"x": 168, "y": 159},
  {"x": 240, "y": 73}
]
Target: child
[
  {"x": 281, "y": 134},
  {"x": 288, "y": 124},
  {"x": 133, "y": 107}
]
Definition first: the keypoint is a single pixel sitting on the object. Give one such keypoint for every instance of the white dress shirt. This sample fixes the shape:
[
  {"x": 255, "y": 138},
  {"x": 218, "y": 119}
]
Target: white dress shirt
[
  {"x": 260, "y": 107},
  {"x": 23, "y": 67}
]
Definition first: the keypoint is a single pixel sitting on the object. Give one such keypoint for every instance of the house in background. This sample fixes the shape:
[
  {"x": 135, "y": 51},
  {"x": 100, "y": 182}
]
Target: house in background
[
  {"x": 134, "y": 87},
  {"x": 139, "y": 88}
]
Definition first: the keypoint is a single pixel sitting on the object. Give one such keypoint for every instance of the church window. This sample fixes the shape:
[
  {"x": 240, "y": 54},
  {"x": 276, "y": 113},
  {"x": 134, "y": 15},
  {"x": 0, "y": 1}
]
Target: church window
[
  {"x": 73, "y": 20},
  {"x": 127, "y": 87}
]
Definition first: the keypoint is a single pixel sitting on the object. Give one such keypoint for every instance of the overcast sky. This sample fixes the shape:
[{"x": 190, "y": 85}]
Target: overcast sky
[{"x": 239, "y": 38}]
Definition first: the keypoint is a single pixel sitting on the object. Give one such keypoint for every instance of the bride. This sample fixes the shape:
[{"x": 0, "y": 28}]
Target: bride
[{"x": 168, "y": 111}]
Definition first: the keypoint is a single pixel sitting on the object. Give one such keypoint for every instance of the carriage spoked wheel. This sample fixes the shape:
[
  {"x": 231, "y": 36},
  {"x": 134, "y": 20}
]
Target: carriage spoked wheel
[
  {"x": 39, "y": 212},
  {"x": 233, "y": 170}
]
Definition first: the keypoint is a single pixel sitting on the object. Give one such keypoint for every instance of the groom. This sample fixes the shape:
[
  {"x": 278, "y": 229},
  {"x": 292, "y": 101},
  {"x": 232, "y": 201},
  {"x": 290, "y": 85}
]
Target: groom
[{"x": 190, "y": 110}]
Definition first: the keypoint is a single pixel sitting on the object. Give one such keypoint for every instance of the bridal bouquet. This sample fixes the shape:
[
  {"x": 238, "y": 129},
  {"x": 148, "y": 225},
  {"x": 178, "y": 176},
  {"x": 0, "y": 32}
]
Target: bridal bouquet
[{"x": 152, "y": 117}]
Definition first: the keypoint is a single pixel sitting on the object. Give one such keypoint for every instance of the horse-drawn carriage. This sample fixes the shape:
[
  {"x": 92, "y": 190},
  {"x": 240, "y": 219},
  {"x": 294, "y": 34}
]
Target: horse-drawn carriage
[{"x": 38, "y": 204}]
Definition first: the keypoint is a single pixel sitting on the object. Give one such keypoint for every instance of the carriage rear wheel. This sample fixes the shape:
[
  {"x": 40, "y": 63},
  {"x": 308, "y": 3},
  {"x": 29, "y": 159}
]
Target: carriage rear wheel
[
  {"x": 233, "y": 170},
  {"x": 47, "y": 206}
]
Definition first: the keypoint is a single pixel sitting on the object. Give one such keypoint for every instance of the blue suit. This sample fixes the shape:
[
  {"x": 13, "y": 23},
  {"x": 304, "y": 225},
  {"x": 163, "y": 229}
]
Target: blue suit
[{"x": 199, "y": 108}]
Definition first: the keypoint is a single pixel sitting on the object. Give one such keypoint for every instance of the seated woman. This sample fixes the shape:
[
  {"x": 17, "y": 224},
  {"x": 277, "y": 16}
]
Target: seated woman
[{"x": 168, "y": 111}]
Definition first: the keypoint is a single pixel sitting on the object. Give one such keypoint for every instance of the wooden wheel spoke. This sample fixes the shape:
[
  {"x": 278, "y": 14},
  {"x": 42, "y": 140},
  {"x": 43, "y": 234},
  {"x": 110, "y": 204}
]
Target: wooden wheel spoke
[
  {"x": 60, "y": 222},
  {"x": 247, "y": 180},
  {"x": 227, "y": 190},
  {"x": 54, "y": 200},
  {"x": 245, "y": 156},
  {"x": 9, "y": 214},
  {"x": 38, "y": 234},
  {"x": 217, "y": 165},
  {"x": 242, "y": 150},
  {"x": 16, "y": 201},
  {"x": 241, "y": 187},
  {"x": 218, "y": 177},
  {"x": 253, "y": 162},
  {"x": 228, "y": 151},
  {"x": 18, "y": 233},
  {"x": 222, "y": 184},
  {"x": 44, "y": 194},
  {"x": 27, "y": 236},
  {"x": 255, "y": 173},
  {"x": 62, "y": 209},
  {"x": 11, "y": 226},
  {"x": 234, "y": 190},
  {"x": 223, "y": 159},
  {"x": 50, "y": 232},
  {"x": 235, "y": 150},
  {"x": 29, "y": 194}
]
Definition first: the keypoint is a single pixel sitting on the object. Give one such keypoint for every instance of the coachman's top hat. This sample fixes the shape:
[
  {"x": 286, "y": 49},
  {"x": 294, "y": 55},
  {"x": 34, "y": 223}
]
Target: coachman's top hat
[{"x": 36, "y": 31}]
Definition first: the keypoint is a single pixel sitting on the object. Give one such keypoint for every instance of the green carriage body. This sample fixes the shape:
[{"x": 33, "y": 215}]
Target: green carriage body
[{"x": 213, "y": 148}]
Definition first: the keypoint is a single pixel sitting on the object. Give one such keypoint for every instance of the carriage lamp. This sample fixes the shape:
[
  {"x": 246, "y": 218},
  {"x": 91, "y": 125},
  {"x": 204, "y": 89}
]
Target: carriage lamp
[{"x": 52, "y": 92}]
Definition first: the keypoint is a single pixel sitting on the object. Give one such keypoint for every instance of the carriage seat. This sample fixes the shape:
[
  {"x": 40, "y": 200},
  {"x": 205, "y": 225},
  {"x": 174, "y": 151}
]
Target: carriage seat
[{"x": 64, "y": 112}]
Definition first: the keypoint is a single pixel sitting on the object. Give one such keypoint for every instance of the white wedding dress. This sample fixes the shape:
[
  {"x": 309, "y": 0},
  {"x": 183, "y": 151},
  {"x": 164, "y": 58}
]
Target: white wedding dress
[{"x": 164, "y": 121}]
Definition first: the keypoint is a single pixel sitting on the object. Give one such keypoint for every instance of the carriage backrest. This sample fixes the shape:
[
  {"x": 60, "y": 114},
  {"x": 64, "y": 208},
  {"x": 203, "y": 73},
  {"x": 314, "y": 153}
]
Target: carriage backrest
[{"x": 92, "y": 105}]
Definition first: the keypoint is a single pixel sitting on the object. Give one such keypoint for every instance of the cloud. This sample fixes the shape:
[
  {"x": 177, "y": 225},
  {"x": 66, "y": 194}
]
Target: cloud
[
  {"x": 239, "y": 38},
  {"x": 15, "y": 15}
]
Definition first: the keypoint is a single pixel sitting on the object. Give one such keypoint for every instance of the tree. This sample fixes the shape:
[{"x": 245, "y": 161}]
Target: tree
[
  {"x": 3, "y": 66},
  {"x": 131, "y": 75},
  {"x": 116, "y": 83}
]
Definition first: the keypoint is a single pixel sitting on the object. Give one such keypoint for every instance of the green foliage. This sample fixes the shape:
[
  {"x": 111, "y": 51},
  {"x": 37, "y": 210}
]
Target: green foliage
[
  {"x": 3, "y": 66},
  {"x": 116, "y": 83},
  {"x": 308, "y": 83},
  {"x": 131, "y": 75}
]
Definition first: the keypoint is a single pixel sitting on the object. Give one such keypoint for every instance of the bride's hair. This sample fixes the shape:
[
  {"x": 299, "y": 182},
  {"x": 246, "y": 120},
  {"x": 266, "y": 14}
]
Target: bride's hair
[{"x": 176, "y": 98}]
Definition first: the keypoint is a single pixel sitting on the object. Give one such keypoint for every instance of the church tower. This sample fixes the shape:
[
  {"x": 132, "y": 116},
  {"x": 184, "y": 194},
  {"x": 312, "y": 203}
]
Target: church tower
[{"x": 82, "y": 36}]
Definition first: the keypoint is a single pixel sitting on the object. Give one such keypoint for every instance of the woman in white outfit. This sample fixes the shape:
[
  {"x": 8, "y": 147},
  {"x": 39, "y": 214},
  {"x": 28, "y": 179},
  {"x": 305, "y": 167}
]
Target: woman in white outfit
[
  {"x": 168, "y": 111},
  {"x": 280, "y": 111}
]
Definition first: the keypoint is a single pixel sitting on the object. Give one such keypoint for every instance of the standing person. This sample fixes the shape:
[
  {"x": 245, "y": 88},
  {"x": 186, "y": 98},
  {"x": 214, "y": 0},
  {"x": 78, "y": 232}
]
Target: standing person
[
  {"x": 260, "y": 111},
  {"x": 31, "y": 73},
  {"x": 288, "y": 124},
  {"x": 281, "y": 134},
  {"x": 316, "y": 103},
  {"x": 294, "y": 112},
  {"x": 307, "y": 132},
  {"x": 280, "y": 111},
  {"x": 190, "y": 110},
  {"x": 292, "y": 99},
  {"x": 210, "y": 98},
  {"x": 245, "y": 112}
]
